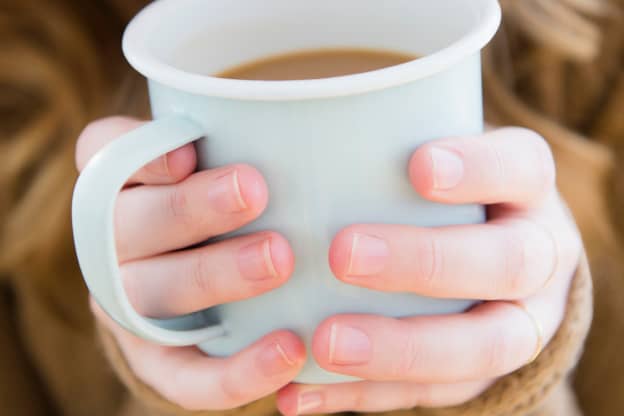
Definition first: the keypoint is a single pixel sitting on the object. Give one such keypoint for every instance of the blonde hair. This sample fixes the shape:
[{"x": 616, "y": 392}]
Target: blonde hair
[{"x": 60, "y": 68}]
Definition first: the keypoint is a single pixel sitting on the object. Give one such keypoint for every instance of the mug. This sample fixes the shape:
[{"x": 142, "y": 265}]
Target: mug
[{"x": 333, "y": 151}]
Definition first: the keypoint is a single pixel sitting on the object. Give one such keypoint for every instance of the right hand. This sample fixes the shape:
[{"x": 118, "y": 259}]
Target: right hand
[{"x": 167, "y": 207}]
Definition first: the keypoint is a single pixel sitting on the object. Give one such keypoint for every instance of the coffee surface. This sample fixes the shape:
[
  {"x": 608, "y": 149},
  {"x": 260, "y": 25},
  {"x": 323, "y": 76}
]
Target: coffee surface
[{"x": 315, "y": 64}]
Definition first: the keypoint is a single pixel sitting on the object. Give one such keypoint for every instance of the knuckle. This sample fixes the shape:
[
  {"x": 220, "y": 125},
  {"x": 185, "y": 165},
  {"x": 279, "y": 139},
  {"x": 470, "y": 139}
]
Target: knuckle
[
  {"x": 498, "y": 181},
  {"x": 570, "y": 240},
  {"x": 95, "y": 126},
  {"x": 545, "y": 174},
  {"x": 173, "y": 391},
  {"x": 177, "y": 204},
  {"x": 88, "y": 131},
  {"x": 182, "y": 398},
  {"x": 201, "y": 280},
  {"x": 537, "y": 175},
  {"x": 122, "y": 244},
  {"x": 514, "y": 245},
  {"x": 233, "y": 394},
  {"x": 430, "y": 260},
  {"x": 410, "y": 358},
  {"x": 82, "y": 152},
  {"x": 569, "y": 247},
  {"x": 359, "y": 400},
  {"x": 526, "y": 134},
  {"x": 92, "y": 133},
  {"x": 496, "y": 354},
  {"x": 425, "y": 397},
  {"x": 100, "y": 132},
  {"x": 550, "y": 250},
  {"x": 119, "y": 120},
  {"x": 176, "y": 390},
  {"x": 132, "y": 289},
  {"x": 533, "y": 255}
]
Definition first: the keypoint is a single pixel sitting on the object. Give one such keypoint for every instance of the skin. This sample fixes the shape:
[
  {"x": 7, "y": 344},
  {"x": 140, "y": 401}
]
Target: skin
[{"x": 527, "y": 251}]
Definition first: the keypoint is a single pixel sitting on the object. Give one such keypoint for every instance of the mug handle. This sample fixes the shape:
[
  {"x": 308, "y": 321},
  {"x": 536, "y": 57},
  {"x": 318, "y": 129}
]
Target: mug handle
[{"x": 93, "y": 208}]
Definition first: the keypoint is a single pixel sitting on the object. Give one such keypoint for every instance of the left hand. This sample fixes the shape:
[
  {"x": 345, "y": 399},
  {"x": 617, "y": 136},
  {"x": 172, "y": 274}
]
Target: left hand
[{"x": 527, "y": 252}]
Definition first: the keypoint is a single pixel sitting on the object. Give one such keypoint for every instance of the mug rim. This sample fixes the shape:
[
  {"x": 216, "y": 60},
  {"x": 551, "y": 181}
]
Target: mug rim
[{"x": 153, "y": 68}]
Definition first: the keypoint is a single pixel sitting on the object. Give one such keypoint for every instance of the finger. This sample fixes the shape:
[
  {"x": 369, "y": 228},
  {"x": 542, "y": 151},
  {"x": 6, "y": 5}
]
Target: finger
[
  {"x": 150, "y": 220},
  {"x": 510, "y": 165},
  {"x": 493, "y": 339},
  {"x": 195, "y": 381},
  {"x": 192, "y": 280},
  {"x": 296, "y": 399},
  {"x": 510, "y": 258},
  {"x": 167, "y": 169}
]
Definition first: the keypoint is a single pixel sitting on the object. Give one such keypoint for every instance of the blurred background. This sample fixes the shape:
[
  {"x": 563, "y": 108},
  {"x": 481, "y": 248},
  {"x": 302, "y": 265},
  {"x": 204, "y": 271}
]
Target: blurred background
[{"x": 556, "y": 67}]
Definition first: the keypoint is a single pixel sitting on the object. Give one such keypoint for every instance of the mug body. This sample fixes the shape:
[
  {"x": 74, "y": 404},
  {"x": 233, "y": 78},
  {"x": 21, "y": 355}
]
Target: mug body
[
  {"x": 330, "y": 163},
  {"x": 334, "y": 152}
]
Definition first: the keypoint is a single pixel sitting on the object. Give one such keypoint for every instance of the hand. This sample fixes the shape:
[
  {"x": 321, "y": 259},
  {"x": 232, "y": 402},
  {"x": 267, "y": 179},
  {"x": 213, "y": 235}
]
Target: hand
[
  {"x": 165, "y": 208},
  {"x": 527, "y": 252}
]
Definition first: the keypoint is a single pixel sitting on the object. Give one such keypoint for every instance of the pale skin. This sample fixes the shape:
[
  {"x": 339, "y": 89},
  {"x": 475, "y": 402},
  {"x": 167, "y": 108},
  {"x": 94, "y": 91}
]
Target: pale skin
[{"x": 527, "y": 251}]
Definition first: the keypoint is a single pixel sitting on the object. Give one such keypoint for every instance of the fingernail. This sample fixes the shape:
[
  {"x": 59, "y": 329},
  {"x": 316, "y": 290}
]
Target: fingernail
[
  {"x": 165, "y": 163},
  {"x": 159, "y": 167},
  {"x": 348, "y": 346},
  {"x": 368, "y": 255},
  {"x": 255, "y": 261},
  {"x": 226, "y": 193},
  {"x": 310, "y": 401},
  {"x": 275, "y": 360},
  {"x": 448, "y": 169}
]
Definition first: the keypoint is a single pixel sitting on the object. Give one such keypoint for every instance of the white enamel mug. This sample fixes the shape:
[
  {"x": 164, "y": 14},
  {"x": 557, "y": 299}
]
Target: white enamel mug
[{"x": 333, "y": 151}]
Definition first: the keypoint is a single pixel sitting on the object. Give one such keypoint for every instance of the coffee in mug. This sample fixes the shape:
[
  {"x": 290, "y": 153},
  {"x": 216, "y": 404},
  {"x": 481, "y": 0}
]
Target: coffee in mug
[{"x": 316, "y": 64}]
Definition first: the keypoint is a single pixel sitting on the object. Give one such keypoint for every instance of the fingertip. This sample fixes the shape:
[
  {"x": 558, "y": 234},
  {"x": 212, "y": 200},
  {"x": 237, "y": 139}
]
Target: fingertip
[
  {"x": 340, "y": 252},
  {"x": 253, "y": 188},
  {"x": 321, "y": 340},
  {"x": 181, "y": 162},
  {"x": 281, "y": 356},
  {"x": 282, "y": 256},
  {"x": 293, "y": 348},
  {"x": 287, "y": 400},
  {"x": 98, "y": 133},
  {"x": 420, "y": 171}
]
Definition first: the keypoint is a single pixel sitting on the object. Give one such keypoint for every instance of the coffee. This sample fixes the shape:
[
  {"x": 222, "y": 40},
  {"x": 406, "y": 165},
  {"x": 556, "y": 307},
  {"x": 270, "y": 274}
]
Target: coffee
[{"x": 315, "y": 64}]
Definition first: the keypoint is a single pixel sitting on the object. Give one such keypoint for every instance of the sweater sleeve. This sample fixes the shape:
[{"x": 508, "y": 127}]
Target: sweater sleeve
[
  {"x": 22, "y": 393},
  {"x": 521, "y": 393}
]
